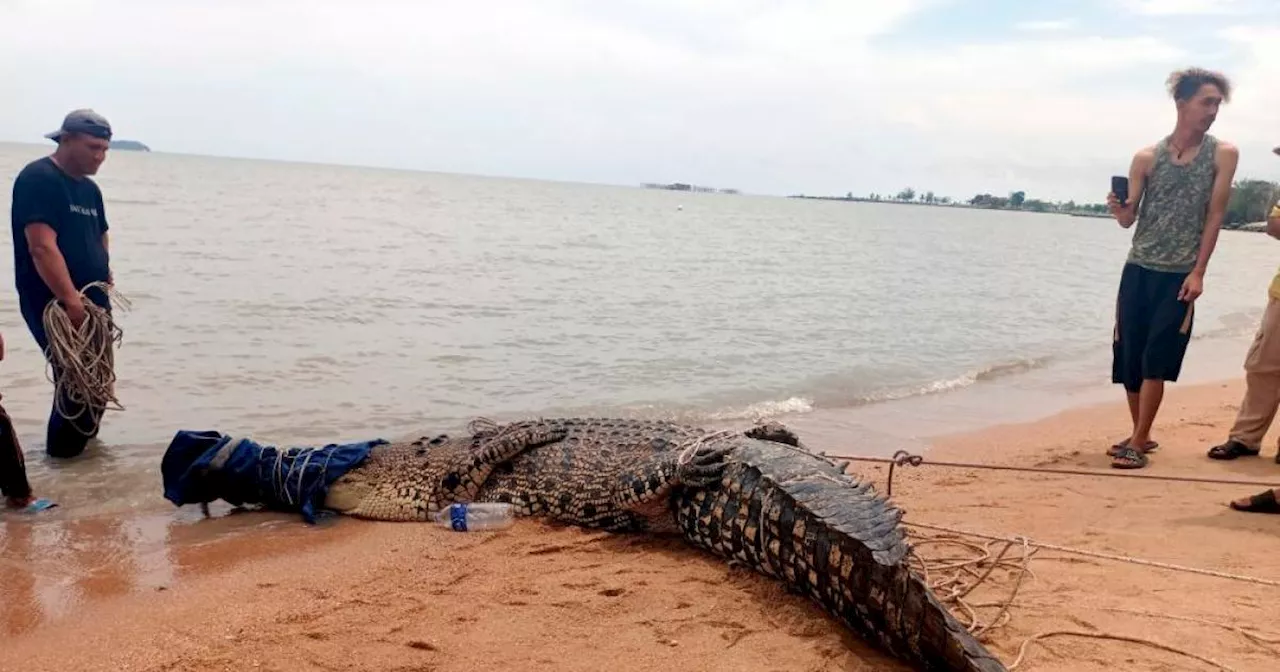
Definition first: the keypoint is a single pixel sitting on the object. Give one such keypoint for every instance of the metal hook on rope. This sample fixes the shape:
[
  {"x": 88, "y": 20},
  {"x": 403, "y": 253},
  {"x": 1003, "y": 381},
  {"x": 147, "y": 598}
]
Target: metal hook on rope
[{"x": 901, "y": 457}]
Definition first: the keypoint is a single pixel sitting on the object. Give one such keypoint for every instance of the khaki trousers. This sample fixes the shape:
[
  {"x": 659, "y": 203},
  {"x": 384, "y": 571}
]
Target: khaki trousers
[{"x": 1262, "y": 381}]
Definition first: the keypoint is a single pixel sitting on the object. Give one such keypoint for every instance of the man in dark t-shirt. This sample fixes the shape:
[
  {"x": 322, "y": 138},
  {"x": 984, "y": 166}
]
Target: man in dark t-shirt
[{"x": 59, "y": 246}]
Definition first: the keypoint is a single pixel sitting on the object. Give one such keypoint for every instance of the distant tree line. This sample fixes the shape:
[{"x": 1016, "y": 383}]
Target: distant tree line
[
  {"x": 1251, "y": 200},
  {"x": 1014, "y": 201}
]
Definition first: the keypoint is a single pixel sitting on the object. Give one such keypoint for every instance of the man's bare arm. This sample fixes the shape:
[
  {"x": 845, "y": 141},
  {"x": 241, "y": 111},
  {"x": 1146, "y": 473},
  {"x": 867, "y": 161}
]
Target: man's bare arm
[
  {"x": 1228, "y": 156},
  {"x": 106, "y": 245},
  {"x": 1273, "y": 220},
  {"x": 1139, "y": 169},
  {"x": 52, "y": 268}
]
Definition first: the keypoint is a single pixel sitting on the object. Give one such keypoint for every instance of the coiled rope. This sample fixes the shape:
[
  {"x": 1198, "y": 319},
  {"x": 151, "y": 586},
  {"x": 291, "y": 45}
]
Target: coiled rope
[
  {"x": 83, "y": 357},
  {"x": 952, "y": 578}
]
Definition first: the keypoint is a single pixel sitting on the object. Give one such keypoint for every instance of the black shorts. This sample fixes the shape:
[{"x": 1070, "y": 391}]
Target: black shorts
[{"x": 1152, "y": 327}]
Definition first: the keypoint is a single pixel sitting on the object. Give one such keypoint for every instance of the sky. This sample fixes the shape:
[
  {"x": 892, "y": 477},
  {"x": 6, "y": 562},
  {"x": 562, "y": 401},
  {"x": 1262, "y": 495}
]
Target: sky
[{"x": 808, "y": 96}]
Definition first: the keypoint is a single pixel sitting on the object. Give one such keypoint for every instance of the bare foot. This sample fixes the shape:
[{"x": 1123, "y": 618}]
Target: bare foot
[{"x": 18, "y": 502}]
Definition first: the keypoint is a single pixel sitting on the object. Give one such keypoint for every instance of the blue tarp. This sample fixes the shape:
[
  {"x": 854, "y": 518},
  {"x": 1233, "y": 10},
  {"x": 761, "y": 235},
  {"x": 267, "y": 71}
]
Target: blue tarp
[{"x": 196, "y": 469}]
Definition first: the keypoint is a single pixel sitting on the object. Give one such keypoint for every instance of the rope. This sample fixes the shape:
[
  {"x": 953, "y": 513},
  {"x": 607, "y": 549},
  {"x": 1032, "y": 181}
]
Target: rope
[
  {"x": 280, "y": 476},
  {"x": 953, "y": 588},
  {"x": 1257, "y": 638},
  {"x": 691, "y": 446},
  {"x": 1022, "y": 650},
  {"x": 954, "y": 579},
  {"x": 904, "y": 458},
  {"x": 84, "y": 357},
  {"x": 1106, "y": 556}
]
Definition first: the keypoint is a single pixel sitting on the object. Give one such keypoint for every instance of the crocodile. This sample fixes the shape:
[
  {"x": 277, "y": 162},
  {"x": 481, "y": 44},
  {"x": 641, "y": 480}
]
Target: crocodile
[{"x": 757, "y": 497}]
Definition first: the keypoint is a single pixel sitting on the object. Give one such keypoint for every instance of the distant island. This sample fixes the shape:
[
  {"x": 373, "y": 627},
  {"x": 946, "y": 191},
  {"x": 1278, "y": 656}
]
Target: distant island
[
  {"x": 129, "y": 146},
  {"x": 681, "y": 186},
  {"x": 1250, "y": 201}
]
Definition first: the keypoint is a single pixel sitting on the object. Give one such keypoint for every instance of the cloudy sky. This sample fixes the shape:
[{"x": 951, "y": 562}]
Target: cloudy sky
[{"x": 804, "y": 96}]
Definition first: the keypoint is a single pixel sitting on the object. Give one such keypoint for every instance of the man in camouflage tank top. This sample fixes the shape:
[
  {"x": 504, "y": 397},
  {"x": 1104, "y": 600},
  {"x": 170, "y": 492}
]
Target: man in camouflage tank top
[{"x": 1179, "y": 188}]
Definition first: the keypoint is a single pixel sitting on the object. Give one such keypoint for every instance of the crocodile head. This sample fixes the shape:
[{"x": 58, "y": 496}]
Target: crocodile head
[
  {"x": 412, "y": 481},
  {"x": 405, "y": 481}
]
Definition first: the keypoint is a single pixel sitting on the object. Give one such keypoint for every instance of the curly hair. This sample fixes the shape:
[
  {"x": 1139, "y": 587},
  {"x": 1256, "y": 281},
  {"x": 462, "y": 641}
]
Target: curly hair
[{"x": 1184, "y": 84}]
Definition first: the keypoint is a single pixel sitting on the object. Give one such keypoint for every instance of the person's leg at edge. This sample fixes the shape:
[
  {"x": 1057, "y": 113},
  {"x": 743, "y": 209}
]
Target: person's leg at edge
[
  {"x": 13, "y": 471},
  {"x": 1262, "y": 391}
]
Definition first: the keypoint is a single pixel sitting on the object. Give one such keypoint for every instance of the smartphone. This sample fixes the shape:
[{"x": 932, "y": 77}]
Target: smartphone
[{"x": 1120, "y": 187}]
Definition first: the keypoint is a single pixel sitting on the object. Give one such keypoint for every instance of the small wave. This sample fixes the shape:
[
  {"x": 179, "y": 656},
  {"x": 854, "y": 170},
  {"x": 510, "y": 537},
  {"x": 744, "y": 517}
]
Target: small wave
[
  {"x": 985, "y": 374},
  {"x": 764, "y": 409},
  {"x": 1012, "y": 368},
  {"x": 1232, "y": 325},
  {"x": 805, "y": 404}
]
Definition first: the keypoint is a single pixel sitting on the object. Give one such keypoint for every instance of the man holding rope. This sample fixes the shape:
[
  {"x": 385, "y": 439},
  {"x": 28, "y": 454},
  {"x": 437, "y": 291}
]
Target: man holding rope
[{"x": 60, "y": 247}]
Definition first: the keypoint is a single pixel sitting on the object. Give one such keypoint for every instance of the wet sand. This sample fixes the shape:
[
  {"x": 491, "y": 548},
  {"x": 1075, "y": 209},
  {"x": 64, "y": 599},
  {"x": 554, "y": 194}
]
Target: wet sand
[{"x": 354, "y": 595}]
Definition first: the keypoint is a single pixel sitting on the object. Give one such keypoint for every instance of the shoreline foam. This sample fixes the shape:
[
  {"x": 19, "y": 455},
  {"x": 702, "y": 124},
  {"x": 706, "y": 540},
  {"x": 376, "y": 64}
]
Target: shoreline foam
[{"x": 387, "y": 596}]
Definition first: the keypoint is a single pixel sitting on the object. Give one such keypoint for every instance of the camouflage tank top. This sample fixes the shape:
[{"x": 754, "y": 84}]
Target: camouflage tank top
[{"x": 1174, "y": 204}]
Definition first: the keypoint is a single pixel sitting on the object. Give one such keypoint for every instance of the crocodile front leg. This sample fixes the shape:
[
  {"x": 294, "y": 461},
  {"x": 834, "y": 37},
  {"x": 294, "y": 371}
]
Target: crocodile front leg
[
  {"x": 626, "y": 496},
  {"x": 468, "y": 472},
  {"x": 652, "y": 478}
]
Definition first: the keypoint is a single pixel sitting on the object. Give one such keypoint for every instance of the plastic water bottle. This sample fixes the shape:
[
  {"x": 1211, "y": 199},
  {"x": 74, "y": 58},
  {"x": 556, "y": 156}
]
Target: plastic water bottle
[{"x": 476, "y": 516}]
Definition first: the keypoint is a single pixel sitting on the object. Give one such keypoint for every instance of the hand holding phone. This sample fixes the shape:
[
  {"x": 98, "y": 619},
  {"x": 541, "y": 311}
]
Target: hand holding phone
[{"x": 1120, "y": 187}]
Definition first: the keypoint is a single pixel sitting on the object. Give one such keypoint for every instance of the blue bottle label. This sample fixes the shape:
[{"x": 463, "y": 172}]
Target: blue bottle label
[{"x": 458, "y": 517}]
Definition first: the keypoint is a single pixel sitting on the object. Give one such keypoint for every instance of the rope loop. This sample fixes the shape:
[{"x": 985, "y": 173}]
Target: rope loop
[{"x": 81, "y": 360}]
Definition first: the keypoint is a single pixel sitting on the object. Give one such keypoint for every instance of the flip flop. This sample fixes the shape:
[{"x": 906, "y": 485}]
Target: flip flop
[
  {"x": 1129, "y": 458},
  {"x": 1263, "y": 502},
  {"x": 1231, "y": 450},
  {"x": 1114, "y": 451},
  {"x": 36, "y": 506}
]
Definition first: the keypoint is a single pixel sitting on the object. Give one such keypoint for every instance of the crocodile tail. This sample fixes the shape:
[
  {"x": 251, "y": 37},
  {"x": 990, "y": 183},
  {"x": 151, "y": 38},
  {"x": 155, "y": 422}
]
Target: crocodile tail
[{"x": 800, "y": 519}]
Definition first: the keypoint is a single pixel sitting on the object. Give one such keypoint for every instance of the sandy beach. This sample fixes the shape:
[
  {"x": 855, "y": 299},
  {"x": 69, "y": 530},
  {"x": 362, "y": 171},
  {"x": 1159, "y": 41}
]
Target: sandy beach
[{"x": 353, "y": 595}]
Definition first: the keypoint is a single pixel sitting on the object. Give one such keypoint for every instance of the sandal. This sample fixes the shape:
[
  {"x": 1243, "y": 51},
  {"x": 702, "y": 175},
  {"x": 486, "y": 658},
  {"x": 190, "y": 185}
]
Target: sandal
[
  {"x": 1263, "y": 502},
  {"x": 33, "y": 506},
  {"x": 1114, "y": 451},
  {"x": 1129, "y": 458},
  {"x": 1231, "y": 450}
]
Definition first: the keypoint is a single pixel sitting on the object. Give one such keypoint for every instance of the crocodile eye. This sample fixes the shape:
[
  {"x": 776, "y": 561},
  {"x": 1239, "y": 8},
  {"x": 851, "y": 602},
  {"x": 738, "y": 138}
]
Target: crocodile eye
[{"x": 439, "y": 439}]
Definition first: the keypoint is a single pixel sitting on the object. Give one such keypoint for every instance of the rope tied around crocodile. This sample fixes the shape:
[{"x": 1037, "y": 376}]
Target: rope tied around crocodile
[
  {"x": 83, "y": 357},
  {"x": 690, "y": 447}
]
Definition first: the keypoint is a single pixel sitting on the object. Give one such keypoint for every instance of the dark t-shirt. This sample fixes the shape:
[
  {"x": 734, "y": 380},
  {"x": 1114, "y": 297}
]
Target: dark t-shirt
[{"x": 74, "y": 209}]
